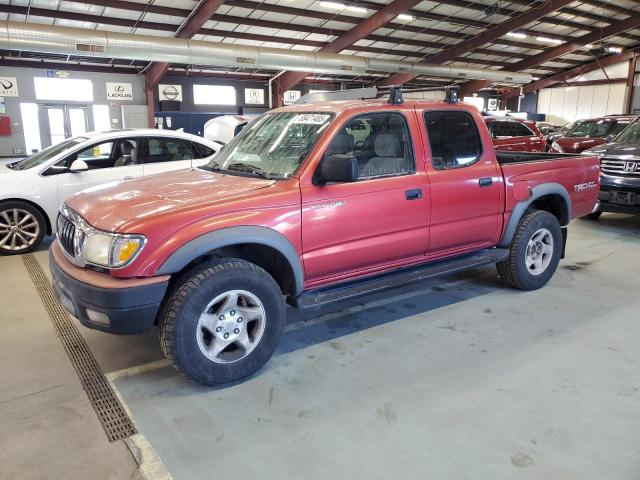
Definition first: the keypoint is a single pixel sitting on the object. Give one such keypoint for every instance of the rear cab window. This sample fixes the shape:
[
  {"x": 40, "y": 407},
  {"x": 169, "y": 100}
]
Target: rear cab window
[{"x": 453, "y": 138}]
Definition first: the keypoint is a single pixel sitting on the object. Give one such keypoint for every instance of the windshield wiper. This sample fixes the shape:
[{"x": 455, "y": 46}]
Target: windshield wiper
[{"x": 239, "y": 167}]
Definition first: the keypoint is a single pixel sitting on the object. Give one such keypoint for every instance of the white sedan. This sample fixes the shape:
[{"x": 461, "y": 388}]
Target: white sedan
[{"x": 32, "y": 190}]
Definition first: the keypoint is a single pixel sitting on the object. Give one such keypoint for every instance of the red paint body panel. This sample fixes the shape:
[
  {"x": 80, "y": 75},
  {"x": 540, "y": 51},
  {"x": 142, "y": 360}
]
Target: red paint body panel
[
  {"x": 578, "y": 144},
  {"x": 340, "y": 231}
]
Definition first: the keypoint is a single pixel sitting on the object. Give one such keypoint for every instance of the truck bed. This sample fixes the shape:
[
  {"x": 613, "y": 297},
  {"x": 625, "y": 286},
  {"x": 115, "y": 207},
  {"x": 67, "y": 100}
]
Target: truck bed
[{"x": 507, "y": 157}]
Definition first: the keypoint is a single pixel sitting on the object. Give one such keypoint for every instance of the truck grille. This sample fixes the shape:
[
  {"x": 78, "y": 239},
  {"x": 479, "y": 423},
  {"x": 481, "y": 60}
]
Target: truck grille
[
  {"x": 614, "y": 166},
  {"x": 66, "y": 234}
]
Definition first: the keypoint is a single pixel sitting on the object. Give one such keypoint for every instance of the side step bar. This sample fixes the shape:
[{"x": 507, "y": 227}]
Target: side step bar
[{"x": 343, "y": 291}]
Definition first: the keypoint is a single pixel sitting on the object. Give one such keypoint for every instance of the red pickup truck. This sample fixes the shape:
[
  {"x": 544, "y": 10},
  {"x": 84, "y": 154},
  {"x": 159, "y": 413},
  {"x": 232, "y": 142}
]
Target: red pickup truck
[{"x": 295, "y": 209}]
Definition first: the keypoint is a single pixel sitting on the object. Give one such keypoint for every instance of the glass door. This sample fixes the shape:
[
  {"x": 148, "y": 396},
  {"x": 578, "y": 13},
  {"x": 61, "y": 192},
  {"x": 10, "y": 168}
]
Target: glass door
[{"x": 66, "y": 121}]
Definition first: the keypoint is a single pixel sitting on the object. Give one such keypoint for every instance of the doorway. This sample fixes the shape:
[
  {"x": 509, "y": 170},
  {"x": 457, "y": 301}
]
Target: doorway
[{"x": 66, "y": 121}]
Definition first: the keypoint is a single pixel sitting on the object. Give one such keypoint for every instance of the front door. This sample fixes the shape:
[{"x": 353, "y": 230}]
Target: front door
[
  {"x": 378, "y": 221},
  {"x": 108, "y": 161},
  {"x": 466, "y": 184}
]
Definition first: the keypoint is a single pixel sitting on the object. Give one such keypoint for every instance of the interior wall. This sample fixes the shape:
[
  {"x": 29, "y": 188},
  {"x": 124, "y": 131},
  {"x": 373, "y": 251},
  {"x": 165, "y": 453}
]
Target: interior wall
[
  {"x": 26, "y": 90},
  {"x": 566, "y": 104}
]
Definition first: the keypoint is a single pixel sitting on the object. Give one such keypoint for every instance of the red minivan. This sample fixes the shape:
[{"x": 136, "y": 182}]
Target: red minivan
[
  {"x": 510, "y": 133},
  {"x": 590, "y": 133}
]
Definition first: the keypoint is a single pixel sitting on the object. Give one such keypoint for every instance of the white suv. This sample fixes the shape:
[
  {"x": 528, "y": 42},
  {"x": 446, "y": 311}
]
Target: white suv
[{"x": 32, "y": 190}]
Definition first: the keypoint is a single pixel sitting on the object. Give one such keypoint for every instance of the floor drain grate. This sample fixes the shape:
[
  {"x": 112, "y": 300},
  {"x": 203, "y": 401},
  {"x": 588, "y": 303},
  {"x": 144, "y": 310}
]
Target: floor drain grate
[{"x": 113, "y": 417}]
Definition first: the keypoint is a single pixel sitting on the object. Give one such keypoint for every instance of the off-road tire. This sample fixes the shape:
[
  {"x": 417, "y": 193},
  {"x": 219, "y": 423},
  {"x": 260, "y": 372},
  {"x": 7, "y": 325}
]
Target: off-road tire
[
  {"x": 9, "y": 206},
  {"x": 187, "y": 300},
  {"x": 513, "y": 270}
]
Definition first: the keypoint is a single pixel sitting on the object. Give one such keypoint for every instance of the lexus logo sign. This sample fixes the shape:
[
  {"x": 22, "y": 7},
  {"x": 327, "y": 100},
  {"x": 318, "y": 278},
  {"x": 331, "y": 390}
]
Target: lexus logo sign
[
  {"x": 8, "y": 87},
  {"x": 119, "y": 91},
  {"x": 630, "y": 167}
]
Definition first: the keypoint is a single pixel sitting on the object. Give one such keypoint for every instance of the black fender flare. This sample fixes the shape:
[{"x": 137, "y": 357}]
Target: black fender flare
[
  {"x": 537, "y": 192},
  {"x": 226, "y": 237}
]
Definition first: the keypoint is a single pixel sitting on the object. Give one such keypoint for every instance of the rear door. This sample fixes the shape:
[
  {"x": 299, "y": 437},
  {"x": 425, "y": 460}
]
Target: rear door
[
  {"x": 378, "y": 221},
  {"x": 164, "y": 154},
  {"x": 466, "y": 183}
]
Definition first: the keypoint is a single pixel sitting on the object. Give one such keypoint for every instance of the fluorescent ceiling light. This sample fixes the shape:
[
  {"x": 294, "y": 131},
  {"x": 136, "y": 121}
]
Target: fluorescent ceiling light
[
  {"x": 516, "y": 35},
  {"x": 615, "y": 49},
  {"x": 548, "y": 40},
  {"x": 332, "y": 5},
  {"x": 588, "y": 46},
  {"x": 535, "y": 78},
  {"x": 351, "y": 8},
  {"x": 341, "y": 6},
  {"x": 406, "y": 18}
]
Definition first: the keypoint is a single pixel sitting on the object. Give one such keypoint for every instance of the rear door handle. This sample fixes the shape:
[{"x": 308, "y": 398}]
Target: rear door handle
[
  {"x": 485, "y": 182},
  {"x": 414, "y": 194}
]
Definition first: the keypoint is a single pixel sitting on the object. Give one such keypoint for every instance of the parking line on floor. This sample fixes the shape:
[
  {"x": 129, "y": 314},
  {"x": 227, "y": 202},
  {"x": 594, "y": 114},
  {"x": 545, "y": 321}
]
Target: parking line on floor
[{"x": 137, "y": 369}]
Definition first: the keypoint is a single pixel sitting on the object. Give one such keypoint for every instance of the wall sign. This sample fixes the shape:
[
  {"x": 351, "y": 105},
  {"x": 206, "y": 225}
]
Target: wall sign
[
  {"x": 170, "y": 93},
  {"x": 290, "y": 96},
  {"x": 119, "y": 91},
  {"x": 254, "y": 96},
  {"x": 57, "y": 74},
  {"x": 8, "y": 87}
]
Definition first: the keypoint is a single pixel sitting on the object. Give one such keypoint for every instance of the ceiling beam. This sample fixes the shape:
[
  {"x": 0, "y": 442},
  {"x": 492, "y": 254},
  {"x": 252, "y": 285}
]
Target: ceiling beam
[
  {"x": 630, "y": 22},
  {"x": 130, "y": 23},
  {"x": 485, "y": 37},
  {"x": 362, "y": 30},
  {"x": 565, "y": 76},
  {"x": 200, "y": 15}
]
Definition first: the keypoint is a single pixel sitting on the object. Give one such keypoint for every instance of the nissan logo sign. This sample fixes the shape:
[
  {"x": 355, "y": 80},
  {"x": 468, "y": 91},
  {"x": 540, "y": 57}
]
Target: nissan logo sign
[{"x": 170, "y": 92}]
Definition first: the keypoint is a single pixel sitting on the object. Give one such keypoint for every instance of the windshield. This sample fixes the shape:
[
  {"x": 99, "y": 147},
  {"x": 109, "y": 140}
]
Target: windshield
[
  {"x": 273, "y": 146},
  {"x": 631, "y": 134},
  {"x": 581, "y": 129},
  {"x": 46, "y": 154}
]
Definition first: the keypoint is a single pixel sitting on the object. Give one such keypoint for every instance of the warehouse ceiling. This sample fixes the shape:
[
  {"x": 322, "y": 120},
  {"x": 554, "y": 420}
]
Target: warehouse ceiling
[{"x": 543, "y": 46}]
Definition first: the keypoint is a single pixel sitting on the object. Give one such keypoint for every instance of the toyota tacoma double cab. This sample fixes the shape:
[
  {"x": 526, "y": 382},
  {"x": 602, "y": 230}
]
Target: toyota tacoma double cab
[{"x": 303, "y": 208}]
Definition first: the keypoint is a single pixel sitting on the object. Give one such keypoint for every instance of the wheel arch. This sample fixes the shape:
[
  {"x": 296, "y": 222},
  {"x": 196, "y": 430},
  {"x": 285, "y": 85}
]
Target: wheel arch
[
  {"x": 262, "y": 246},
  {"x": 47, "y": 220},
  {"x": 550, "y": 197}
]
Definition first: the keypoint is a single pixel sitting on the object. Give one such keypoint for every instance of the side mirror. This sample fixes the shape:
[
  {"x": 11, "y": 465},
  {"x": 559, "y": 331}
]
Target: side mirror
[
  {"x": 609, "y": 138},
  {"x": 339, "y": 168},
  {"x": 78, "y": 166}
]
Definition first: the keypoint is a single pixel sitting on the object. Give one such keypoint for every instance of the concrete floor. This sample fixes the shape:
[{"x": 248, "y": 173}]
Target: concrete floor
[{"x": 457, "y": 378}]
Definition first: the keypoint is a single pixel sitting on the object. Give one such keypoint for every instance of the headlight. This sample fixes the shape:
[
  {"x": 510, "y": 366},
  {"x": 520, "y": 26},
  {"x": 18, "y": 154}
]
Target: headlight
[
  {"x": 556, "y": 146},
  {"x": 110, "y": 250}
]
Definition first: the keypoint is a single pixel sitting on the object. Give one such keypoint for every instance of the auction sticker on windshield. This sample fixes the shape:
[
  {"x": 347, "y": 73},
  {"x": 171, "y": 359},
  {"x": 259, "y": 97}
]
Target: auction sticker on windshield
[{"x": 312, "y": 118}]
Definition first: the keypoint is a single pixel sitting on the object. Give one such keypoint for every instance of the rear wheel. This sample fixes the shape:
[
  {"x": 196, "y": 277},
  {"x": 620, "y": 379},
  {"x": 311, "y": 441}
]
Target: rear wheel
[
  {"x": 222, "y": 322},
  {"x": 534, "y": 252},
  {"x": 22, "y": 227}
]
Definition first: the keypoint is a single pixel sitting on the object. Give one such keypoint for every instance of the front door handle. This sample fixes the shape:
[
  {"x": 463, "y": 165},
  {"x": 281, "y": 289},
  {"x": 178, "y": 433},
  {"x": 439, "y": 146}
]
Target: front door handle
[
  {"x": 414, "y": 194},
  {"x": 485, "y": 182},
  {"x": 127, "y": 178}
]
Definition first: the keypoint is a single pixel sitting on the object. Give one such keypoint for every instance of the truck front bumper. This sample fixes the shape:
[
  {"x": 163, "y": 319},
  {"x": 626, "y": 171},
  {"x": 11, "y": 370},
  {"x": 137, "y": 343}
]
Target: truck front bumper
[
  {"x": 101, "y": 302},
  {"x": 619, "y": 194}
]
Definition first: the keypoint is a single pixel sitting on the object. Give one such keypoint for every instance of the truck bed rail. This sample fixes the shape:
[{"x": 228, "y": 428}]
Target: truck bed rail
[{"x": 507, "y": 157}]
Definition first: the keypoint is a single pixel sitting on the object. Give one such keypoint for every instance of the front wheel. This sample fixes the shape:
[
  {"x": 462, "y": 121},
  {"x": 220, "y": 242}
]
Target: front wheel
[
  {"x": 222, "y": 322},
  {"x": 22, "y": 227},
  {"x": 534, "y": 252}
]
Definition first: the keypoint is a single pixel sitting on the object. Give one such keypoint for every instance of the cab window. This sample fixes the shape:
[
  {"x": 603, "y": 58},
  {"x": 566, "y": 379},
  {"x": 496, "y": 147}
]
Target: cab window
[
  {"x": 453, "y": 138},
  {"x": 380, "y": 142}
]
